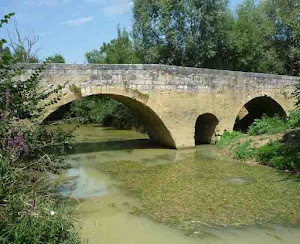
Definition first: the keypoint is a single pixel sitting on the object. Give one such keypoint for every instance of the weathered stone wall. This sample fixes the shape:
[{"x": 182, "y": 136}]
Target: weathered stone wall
[{"x": 169, "y": 98}]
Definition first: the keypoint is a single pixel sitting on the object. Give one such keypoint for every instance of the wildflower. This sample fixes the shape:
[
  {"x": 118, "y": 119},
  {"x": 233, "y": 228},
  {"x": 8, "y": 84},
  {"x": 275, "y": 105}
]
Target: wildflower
[
  {"x": 10, "y": 142},
  {"x": 19, "y": 140},
  {"x": 8, "y": 97}
]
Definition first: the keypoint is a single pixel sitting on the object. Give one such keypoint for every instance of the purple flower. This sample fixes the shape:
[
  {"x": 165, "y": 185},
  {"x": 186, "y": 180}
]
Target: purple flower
[
  {"x": 10, "y": 142},
  {"x": 8, "y": 97},
  {"x": 19, "y": 140}
]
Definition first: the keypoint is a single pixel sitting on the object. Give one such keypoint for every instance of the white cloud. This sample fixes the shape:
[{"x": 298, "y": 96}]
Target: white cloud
[
  {"x": 78, "y": 21},
  {"x": 116, "y": 7},
  {"x": 49, "y": 3}
]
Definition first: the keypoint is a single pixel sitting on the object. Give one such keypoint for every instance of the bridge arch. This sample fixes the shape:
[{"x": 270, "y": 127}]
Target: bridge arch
[
  {"x": 256, "y": 108},
  {"x": 205, "y": 129},
  {"x": 154, "y": 126}
]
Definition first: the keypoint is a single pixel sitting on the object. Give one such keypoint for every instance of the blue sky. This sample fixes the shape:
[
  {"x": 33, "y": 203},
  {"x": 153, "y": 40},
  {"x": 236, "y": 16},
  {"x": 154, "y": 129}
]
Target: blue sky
[{"x": 70, "y": 27}]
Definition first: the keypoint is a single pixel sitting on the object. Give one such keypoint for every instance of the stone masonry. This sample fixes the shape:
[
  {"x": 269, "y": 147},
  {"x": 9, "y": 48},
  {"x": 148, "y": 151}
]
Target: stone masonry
[{"x": 170, "y": 99}]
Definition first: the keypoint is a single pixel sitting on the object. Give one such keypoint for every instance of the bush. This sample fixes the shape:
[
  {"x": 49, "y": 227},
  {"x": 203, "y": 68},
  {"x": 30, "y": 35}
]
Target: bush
[
  {"x": 280, "y": 156},
  {"x": 108, "y": 111},
  {"x": 268, "y": 125},
  {"x": 294, "y": 119},
  {"x": 30, "y": 211},
  {"x": 228, "y": 138},
  {"x": 244, "y": 151}
]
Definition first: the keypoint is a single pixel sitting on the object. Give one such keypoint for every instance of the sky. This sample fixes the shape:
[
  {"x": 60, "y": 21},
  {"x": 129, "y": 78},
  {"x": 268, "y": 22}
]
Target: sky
[{"x": 70, "y": 27}]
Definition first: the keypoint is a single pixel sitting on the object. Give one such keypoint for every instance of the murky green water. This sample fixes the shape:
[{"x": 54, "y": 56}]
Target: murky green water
[{"x": 104, "y": 211}]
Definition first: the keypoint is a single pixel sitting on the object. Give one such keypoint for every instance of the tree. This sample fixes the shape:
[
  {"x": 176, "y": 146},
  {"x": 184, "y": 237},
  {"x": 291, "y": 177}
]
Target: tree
[
  {"x": 5, "y": 54},
  {"x": 186, "y": 32},
  {"x": 117, "y": 51},
  {"x": 24, "y": 46},
  {"x": 57, "y": 58},
  {"x": 285, "y": 14},
  {"x": 251, "y": 46},
  {"x": 95, "y": 57}
]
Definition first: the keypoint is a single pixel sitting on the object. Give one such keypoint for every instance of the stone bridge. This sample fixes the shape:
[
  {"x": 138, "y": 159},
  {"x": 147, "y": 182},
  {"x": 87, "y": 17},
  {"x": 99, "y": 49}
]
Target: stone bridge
[{"x": 180, "y": 106}]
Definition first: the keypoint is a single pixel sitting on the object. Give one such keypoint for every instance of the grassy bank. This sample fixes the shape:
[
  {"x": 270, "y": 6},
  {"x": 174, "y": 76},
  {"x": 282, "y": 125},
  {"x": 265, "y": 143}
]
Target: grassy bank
[
  {"x": 205, "y": 190},
  {"x": 270, "y": 141}
]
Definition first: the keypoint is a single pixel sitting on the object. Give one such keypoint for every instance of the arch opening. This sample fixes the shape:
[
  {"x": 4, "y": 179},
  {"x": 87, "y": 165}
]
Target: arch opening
[
  {"x": 255, "y": 109},
  {"x": 205, "y": 129},
  {"x": 153, "y": 125}
]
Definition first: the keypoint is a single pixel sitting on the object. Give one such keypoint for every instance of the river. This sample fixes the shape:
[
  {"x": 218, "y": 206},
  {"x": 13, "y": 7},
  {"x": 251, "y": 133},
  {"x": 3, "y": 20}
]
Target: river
[{"x": 104, "y": 209}]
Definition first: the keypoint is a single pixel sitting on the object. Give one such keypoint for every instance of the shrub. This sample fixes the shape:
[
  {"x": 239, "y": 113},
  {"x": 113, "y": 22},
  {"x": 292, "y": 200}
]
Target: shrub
[
  {"x": 280, "y": 156},
  {"x": 105, "y": 110},
  {"x": 228, "y": 138},
  {"x": 294, "y": 119},
  {"x": 244, "y": 151},
  {"x": 268, "y": 125},
  {"x": 27, "y": 198}
]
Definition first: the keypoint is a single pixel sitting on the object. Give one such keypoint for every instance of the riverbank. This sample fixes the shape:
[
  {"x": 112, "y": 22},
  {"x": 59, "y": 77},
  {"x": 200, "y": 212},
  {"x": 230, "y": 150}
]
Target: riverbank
[{"x": 280, "y": 150}]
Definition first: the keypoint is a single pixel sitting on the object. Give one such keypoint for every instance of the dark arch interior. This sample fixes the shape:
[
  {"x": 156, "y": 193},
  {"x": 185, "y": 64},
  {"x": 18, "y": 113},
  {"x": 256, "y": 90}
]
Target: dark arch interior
[
  {"x": 154, "y": 127},
  {"x": 255, "y": 109},
  {"x": 205, "y": 128}
]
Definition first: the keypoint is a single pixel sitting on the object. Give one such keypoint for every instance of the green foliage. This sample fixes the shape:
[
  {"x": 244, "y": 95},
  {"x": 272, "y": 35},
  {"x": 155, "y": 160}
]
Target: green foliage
[
  {"x": 276, "y": 124},
  {"x": 251, "y": 40},
  {"x": 229, "y": 138},
  {"x": 268, "y": 125},
  {"x": 296, "y": 94},
  {"x": 207, "y": 34},
  {"x": 294, "y": 119},
  {"x": 286, "y": 36},
  {"x": 179, "y": 32},
  {"x": 118, "y": 51},
  {"x": 5, "y": 55},
  {"x": 21, "y": 55},
  {"x": 105, "y": 110},
  {"x": 280, "y": 156},
  {"x": 26, "y": 197},
  {"x": 95, "y": 57},
  {"x": 244, "y": 151},
  {"x": 57, "y": 58}
]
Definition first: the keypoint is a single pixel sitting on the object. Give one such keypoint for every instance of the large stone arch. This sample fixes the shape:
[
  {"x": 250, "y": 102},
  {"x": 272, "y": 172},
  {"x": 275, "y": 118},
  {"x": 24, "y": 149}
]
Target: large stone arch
[
  {"x": 255, "y": 108},
  {"x": 135, "y": 101}
]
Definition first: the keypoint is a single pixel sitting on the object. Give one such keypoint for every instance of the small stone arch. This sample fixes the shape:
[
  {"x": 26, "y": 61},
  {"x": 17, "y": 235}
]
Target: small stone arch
[
  {"x": 205, "y": 129},
  {"x": 154, "y": 126},
  {"x": 255, "y": 109}
]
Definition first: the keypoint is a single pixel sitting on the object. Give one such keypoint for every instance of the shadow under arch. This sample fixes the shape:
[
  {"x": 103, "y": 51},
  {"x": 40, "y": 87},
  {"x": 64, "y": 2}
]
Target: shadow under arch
[
  {"x": 154, "y": 126},
  {"x": 255, "y": 109},
  {"x": 205, "y": 128}
]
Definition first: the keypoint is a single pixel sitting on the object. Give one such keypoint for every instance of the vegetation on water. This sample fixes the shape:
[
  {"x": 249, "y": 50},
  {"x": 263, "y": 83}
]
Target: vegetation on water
[
  {"x": 30, "y": 210},
  {"x": 202, "y": 190}
]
